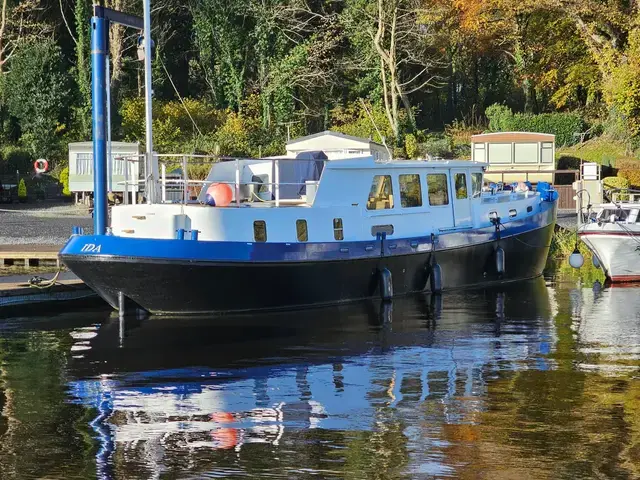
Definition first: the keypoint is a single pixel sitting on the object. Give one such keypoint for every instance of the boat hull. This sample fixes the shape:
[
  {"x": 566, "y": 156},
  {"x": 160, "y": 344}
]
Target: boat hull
[
  {"x": 168, "y": 286},
  {"x": 617, "y": 252}
]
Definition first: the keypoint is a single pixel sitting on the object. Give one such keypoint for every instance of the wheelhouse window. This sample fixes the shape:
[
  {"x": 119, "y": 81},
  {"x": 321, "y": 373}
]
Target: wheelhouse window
[
  {"x": 381, "y": 193},
  {"x": 410, "y": 191},
  {"x": 338, "y": 232},
  {"x": 260, "y": 231},
  {"x": 301, "y": 230},
  {"x": 438, "y": 191},
  {"x": 461, "y": 186},
  {"x": 476, "y": 185}
]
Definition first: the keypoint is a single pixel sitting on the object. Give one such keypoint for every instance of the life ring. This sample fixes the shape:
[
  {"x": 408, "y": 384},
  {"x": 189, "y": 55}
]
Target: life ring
[{"x": 41, "y": 165}]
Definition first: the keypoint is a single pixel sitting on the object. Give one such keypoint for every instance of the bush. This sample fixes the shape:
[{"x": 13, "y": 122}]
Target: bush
[
  {"x": 562, "y": 125},
  {"x": 499, "y": 116},
  {"x": 435, "y": 146},
  {"x": 16, "y": 158},
  {"x": 631, "y": 175},
  {"x": 22, "y": 189},
  {"x": 64, "y": 180},
  {"x": 568, "y": 162},
  {"x": 615, "y": 182},
  {"x": 626, "y": 163},
  {"x": 411, "y": 145}
]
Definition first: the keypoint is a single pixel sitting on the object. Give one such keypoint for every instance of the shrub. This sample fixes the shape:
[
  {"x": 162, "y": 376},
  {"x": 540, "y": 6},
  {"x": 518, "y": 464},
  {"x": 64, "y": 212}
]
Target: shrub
[
  {"x": 631, "y": 175},
  {"x": 22, "y": 189},
  {"x": 626, "y": 163},
  {"x": 499, "y": 116},
  {"x": 64, "y": 180},
  {"x": 353, "y": 119},
  {"x": 411, "y": 145},
  {"x": 562, "y": 125},
  {"x": 16, "y": 158},
  {"x": 568, "y": 162},
  {"x": 615, "y": 182},
  {"x": 435, "y": 146}
]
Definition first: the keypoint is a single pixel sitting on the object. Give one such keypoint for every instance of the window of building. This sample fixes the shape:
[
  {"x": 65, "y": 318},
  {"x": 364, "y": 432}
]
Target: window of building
[
  {"x": 476, "y": 185},
  {"x": 381, "y": 193},
  {"x": 461, "y": 186},
  {"x": 84, "y": 164},
  {"x": 438, "y": 191},
  {"x": 301, "y": 230},
  {"x": 479, "y": 153},
  {"x": 526, "y": 152},
  {"x": 546, "y": 155},
  {"x": 500, "y": 152},
  {"x": 410, "y": 191},
  {"x": 338, "y": 232},
  {"x": 260, "y": 231}
]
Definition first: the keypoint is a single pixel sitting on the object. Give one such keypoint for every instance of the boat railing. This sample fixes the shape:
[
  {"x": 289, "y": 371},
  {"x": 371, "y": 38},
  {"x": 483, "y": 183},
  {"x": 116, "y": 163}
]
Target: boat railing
[
  {"x": 179, "y": 178},
  {"x": 624, "y": 196}
]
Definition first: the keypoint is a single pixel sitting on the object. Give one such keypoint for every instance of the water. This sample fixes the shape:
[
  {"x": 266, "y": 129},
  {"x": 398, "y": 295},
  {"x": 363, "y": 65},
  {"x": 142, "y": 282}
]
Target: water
[{"x": 538, "y": 380}]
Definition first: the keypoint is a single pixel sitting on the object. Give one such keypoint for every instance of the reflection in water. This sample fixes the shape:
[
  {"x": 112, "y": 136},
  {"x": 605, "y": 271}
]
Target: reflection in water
[
  {"x": 194, "y": 385},
  {"x": 530, "y": 381}
]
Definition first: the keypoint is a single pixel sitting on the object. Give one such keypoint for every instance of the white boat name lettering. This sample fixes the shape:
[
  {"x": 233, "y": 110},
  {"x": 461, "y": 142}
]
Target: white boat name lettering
[{"x": 91, "y": 248}]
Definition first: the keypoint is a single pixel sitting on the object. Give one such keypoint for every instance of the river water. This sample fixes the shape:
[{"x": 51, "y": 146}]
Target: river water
[{"x": 538, "y": 380}]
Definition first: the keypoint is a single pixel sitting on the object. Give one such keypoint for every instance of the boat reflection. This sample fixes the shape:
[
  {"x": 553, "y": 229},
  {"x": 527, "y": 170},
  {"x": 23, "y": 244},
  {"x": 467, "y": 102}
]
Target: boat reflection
[
  {"x": 169, "y": 385},
  {"x": 607, "y": 325}
]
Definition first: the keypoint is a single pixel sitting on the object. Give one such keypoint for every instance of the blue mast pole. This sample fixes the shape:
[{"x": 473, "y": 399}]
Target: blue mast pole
[{"x": 98, "y": 105}]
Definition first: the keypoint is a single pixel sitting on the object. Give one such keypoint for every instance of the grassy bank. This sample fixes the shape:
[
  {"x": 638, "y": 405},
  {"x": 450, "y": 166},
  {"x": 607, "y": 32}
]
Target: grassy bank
[{"x": 563, "y": 243}]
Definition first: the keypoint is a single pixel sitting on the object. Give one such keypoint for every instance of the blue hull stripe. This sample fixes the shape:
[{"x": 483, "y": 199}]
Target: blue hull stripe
[{"x": 104, "y": 247}]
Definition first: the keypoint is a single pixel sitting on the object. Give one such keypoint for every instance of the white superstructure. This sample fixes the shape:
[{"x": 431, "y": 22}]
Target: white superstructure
[{"x": 352, "y": 197}]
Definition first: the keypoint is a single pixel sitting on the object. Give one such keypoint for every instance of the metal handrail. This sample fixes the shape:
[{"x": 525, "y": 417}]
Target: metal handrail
[{"x": 185, "y": 182}]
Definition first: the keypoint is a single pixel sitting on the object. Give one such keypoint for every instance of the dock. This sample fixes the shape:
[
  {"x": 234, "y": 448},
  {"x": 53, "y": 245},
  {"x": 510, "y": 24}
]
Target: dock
[
  {"x": 17, "y": 295},
  {"x": 29, "y": 255}
]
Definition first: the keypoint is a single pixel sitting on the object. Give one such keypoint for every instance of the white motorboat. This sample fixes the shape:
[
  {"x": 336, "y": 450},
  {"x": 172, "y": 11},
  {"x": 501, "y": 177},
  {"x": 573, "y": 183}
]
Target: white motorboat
[{"x": 612, "y": 233}]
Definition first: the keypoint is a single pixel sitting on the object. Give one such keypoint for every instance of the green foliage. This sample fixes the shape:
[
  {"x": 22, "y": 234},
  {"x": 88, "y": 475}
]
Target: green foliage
[
  {"x": 435, "y": 145},
  {"x": 16, "y": 159},
  {"x": 622, "y": 86},
  {"x": 599, "y": 150},
  {"x": 173, "y": 123},
  {"x": 563, "y": 243},
  {"x": 36, "y": 92},
  {"x": 22, "y": 189},
  {"x": 632, "y": 176},
  {"x": 562, "y": 125},
  {"x": 615, "y": 182},
  {"x": 499, "y": 117},
  {"x": 353, "y": 119},
  {"x": 64, "y": 180},
  {"x": 411, "y": 145}
]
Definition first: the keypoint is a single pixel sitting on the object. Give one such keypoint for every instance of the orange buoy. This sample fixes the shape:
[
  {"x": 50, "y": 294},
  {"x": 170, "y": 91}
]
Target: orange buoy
[{"x": 219, "y": 195}]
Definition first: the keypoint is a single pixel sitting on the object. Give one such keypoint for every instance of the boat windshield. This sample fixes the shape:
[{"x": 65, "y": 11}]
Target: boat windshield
[{"x": 613, "y": 215}]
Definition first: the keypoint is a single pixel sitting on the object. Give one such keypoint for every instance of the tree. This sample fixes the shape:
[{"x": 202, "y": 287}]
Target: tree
[
  {"x": 400, "y": 45},
  {"x": 22, "y": 190},
  {"x": 20, "y": 22},
  {"x": 37, "y": 94}
]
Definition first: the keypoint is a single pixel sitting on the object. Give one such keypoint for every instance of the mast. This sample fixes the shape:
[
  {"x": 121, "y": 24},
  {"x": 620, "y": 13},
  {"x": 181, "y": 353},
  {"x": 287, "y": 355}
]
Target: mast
[{"x": 150, "y": 180}]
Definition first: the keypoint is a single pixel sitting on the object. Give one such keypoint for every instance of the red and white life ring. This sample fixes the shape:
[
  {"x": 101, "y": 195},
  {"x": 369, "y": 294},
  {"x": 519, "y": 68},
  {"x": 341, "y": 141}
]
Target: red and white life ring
[{"x": 41, "y": 165}]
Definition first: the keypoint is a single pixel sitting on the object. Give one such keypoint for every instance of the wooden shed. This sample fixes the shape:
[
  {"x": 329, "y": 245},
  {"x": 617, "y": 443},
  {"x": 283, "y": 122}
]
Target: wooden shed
[{"x": 515, "y": 156}]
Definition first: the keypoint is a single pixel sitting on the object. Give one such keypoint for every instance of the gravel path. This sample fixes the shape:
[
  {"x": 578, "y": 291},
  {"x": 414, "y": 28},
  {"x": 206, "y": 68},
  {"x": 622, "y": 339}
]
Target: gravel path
[{"x": 42, "y": 224}]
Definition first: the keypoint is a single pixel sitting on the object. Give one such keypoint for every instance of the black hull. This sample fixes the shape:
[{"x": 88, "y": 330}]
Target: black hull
[{"x": 170, "y": 286}]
